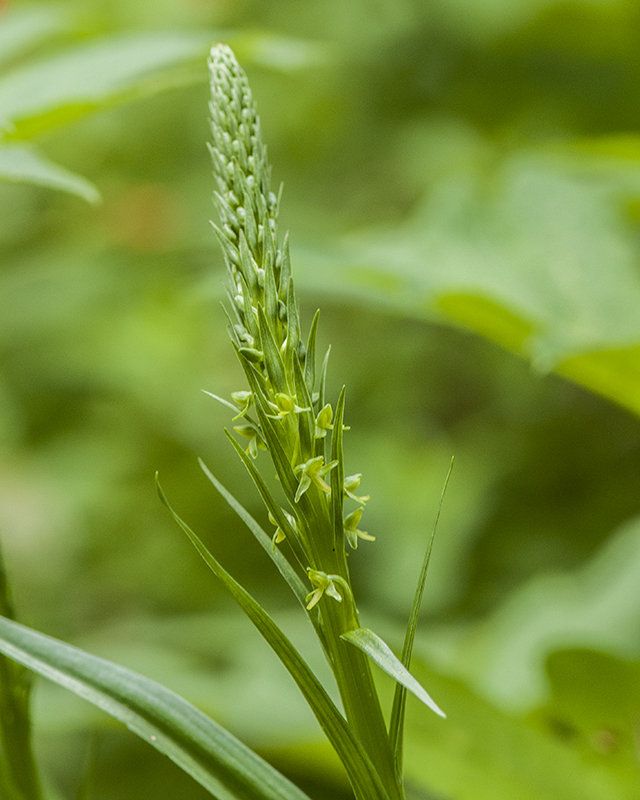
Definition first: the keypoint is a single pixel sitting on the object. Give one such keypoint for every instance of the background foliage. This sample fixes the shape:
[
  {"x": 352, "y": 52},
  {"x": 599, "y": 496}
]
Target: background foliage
[{"x": 462, "y": 183}]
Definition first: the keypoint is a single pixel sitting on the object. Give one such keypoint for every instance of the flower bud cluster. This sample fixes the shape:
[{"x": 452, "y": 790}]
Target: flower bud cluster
[
  {"x": 248, "y": 208},
  {"x": 283, "y": 411}
]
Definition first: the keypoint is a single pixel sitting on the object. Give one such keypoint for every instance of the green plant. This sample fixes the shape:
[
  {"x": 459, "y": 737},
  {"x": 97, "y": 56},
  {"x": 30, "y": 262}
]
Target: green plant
[{"x": 285, "y": 412}]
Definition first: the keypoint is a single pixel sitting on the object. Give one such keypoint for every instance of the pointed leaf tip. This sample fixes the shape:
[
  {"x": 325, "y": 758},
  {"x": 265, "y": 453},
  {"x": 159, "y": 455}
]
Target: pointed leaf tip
[{"x": 381, "y": 654}]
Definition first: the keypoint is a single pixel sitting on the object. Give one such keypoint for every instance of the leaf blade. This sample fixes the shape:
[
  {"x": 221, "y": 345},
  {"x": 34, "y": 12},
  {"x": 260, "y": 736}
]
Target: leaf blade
[
  {"x": 27, "y": 26},
  {"x": 283, "y": 566},
  {"x": 95, "y": 75},
  {"x": 381, "y": 655},
  {"x": 19, "y": 777},
  {"x": 211, "y": 755},
  {"x": 396, "y": 723},
  {"x": 22, "y": 164}
]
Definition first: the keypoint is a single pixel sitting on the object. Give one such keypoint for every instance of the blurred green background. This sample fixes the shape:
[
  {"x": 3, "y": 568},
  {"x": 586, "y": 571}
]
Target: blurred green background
[{"x": 462, "y": 186}]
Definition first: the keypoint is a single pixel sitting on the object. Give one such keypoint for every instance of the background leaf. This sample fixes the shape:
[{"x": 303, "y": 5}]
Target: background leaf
[
  {"x": 479, "y": 752},
  {"x": 24, "y": 27},
  {"x": 571, "y": 303},
  {"x": 597, "y": 606},
  {"x": 25, "y": 164},
  {"x": 63, "y": 87}
]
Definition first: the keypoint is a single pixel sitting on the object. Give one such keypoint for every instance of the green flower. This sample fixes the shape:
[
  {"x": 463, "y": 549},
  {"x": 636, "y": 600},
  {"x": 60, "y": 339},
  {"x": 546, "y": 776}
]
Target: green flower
[
  {"x": 323, "y": 421},
  {"x": 255, "y": 440},
  {"x": 280, "y": 535},
  {"x": 351, "y": 529},
  {"x": 313, "y": 471},
  {"x": 351, "y": 483},
  {"x": 322, "y": 584},
  {"x": 284, "y": 404},
  {"x": 244, "y": 400}
]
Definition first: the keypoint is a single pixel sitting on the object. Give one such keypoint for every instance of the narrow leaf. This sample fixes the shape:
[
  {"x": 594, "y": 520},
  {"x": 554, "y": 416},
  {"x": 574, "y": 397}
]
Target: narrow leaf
[
  {"x": 396, "y": 724},
  {"x": 272, "y": 358},
  {"x": 284, "y": 567},
  {"x": 359, "y": 768},
  {"x": 322, "y": 389},
  {"x": 264, "y": 540},
  {"x": 211, "y": 755},
  {"x": 270, "y": 291},
  {"x": 285, "y": 270},
  {"x": 337, "y": 475},
  {"x": 222, "y": 400},
  {"x": 310, "y": 362},
  {"x": 293, "y": 321},
  {"x": 274, "y": 445},
  {"x": 306, "y": 419},
  {"x": 24, "y": 164},
  {"x": 262, "y": 487},
  {"x": 297, "y": 586},
  {"x": 320, "y": 443},
  {"x": 381, "y": 654}
]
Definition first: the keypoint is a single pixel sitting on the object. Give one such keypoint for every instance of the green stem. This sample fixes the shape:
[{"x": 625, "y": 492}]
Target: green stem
[
  {"x": 350, "y": 666},
  {"x": 18, "y": 762},
  {"x": 359, "y": 695}
]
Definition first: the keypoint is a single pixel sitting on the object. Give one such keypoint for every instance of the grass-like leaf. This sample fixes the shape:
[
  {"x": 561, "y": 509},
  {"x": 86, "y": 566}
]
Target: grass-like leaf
[
  {"x": 263, "y": 489},
  {"x": 362, "y": 774},
  {"x": 284, "y": 567},
  {"x": 286, "y": 570},
  {"x": 310, "y": 361},
  {"x": 306, "y": 419},
  {"x": 382, "y": 655},
  {"x": 396, "y": 724},
  {"x": 272, "y": 357},
  {"x": 337, "y": 475},
  {"x": 211, "y": 755}
]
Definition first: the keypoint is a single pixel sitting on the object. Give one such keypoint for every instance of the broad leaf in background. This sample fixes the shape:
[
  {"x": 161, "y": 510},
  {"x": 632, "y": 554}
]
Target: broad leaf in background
[
  {"x": 533, "y": 253},
  {"x": 483, "y": 754},
  {"x": 24, "y": 164},
  {"x": 223, "y": 765},
  {"x": 62, "y": 87},
  {"x": 28, "y": 26},
  {"x": 594, "y": 704},
  {"x": 597, "y": 606},
  {"x": 57, "y": 89},
  {"x": 492, "y": 19}
]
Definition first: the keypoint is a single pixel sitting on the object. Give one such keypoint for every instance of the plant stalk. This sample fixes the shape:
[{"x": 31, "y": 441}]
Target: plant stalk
[{"x": 17, "y": 761}]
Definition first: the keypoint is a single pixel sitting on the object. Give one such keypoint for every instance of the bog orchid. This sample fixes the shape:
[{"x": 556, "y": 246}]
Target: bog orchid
[{"x": 285, "y": 412}]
